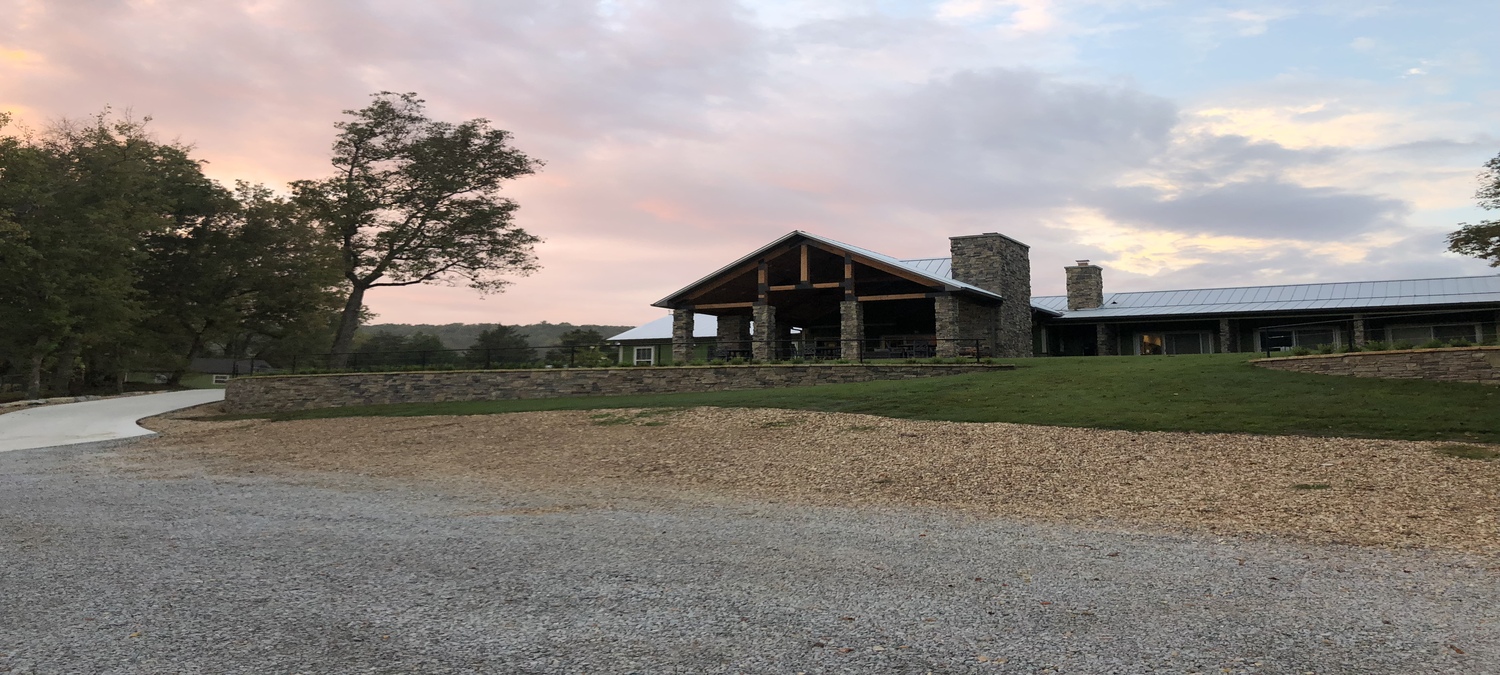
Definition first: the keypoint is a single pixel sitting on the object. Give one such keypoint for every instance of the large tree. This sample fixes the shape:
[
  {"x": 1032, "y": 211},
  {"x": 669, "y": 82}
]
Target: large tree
[
  {"x": 1482, "y": 239},
  {"x": 416, "y": 200}
]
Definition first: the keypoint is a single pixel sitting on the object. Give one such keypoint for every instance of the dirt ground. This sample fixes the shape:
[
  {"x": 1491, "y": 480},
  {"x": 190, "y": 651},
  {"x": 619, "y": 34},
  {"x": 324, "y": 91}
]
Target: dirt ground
[{"x": 1354, "y": 491}]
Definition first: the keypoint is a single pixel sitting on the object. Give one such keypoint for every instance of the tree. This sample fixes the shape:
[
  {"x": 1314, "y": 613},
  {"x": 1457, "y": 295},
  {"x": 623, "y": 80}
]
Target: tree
[
  {"x": 416, "y": 200},
  {"x": 579, "y": 348},
  {"x": 236, "y": 271},
  {"x": 1482, "y": 239},
  {"x": 501, "y": 344},
  {"x": 75, "y": 202}
]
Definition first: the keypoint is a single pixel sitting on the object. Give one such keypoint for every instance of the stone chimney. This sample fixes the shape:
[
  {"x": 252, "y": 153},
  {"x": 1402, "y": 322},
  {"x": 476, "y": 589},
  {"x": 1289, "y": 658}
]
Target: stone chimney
[
  {"x": 1085, "y": 286},
  {"x": 1000, "y": 265}
]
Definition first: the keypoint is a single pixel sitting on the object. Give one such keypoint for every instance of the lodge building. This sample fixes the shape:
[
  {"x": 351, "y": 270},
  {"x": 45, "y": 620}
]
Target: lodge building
[{"x": 806, "y": 296}]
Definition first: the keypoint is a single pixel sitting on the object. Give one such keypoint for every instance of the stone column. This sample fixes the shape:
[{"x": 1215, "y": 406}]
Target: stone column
[
  {"x": 851, "y": 329},
  {"x": 763, "y": 347},
  {"x": 945, "y": 310},
  {"x": 1358, "y": 339},
  {"x": 1106, "y": 340},
  {"x": 1228, "y": 336},
  {"x": 682, "y": 336},
  {"x": 733, "y": 334}
]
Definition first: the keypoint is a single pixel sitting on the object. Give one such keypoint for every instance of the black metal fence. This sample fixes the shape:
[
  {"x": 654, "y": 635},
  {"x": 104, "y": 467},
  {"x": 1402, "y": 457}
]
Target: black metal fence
[{"x": 700, "y": 352}]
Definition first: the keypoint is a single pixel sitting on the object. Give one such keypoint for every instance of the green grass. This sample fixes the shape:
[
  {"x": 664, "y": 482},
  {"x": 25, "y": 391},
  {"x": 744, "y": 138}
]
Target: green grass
[{"x": 1209, "y": 393}]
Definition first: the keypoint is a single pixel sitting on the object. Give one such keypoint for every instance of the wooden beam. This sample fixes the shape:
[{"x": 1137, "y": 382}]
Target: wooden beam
[
  {"x": 831, "y": 284},
  {"x": 791, "y": 287},
  {"x": 848, "y": 277},
  {"x": 762, "y": 281},
  {"x": 898, "y": 296},
  {"x": 723, "y": 305},
  {"x": 804, "y": 263}
]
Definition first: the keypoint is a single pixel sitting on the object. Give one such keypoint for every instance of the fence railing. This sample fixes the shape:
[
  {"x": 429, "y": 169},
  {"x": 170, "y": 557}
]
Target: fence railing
[{"x": 704, "y": 351}]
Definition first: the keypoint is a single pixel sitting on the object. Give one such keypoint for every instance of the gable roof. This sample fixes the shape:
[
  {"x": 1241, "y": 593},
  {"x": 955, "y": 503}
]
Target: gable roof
[
  {"x": 704, "y": 326},
  {"x": 1289, "y": 298},
  {"x": 924, "y": 268}
]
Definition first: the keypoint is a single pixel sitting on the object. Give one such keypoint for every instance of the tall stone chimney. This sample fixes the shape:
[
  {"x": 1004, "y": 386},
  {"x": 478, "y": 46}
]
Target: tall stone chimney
[
  {"x": 1000, "y": 265},
  {"x": 1085, "y": 286}
]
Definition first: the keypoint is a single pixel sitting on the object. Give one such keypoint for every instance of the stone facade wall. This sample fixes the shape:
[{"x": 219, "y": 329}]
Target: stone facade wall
[
  {"x": 1001, "y": 265},
  {"x": 977, "y": 321},
  {"x": 304, "y": 392},
  {"x": 1456, "y": 364},
  {"x": 734, "y": 332}
]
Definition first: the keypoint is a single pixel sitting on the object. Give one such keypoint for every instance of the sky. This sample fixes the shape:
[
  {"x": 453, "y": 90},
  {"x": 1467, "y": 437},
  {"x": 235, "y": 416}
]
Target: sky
[{"x": 1176, "y": 144}]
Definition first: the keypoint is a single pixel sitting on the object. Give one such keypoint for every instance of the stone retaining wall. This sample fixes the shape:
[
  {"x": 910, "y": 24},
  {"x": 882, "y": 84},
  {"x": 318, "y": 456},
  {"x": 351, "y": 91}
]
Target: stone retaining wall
[
  {"x": 302, "y": 392},
  {"x": 1454, "y": 364}
]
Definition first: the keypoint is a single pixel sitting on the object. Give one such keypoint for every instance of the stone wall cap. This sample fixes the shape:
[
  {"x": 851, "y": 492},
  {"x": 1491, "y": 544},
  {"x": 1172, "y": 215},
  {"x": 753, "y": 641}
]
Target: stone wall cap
[
  {"x": 1304, "y": 357},
  {"x": 628, "y": 369}
]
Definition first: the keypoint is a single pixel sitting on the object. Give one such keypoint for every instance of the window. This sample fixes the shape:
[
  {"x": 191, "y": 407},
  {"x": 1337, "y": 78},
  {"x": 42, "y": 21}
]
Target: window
[
  {"x": 221, "y": 379},
  {"x": 645, "y": 356},
  {"x": 1150, "y": 344},
  {"x": 1310, "y": 337},
  {"x": 1445, "y": 332}
]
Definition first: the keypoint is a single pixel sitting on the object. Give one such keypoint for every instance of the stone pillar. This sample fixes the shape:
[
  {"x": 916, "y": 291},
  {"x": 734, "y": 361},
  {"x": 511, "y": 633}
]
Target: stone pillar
[
  {"x": 945, "y": 311},
  {"x": 1228, "y": 336},
  {"x": 1359, "y": 331},
  {"x": 682, "y": 336},
  {"x": 733, "y": 334},
  {"x": 763, "y": 348},
  {"x": 851, "y": 329},
  {"x": 1106, "y": 340}
]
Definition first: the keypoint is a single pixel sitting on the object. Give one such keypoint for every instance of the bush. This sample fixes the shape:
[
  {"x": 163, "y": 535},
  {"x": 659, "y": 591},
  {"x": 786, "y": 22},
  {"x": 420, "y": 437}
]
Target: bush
[
  {"x": 1403, "y": 344},
  {"x": 716, "y": 362},
  {"x": 1325, "y": 349},
  {"x": 1460, "y": 342},
  {"x": 1375, "y": 346},
  {"x": 797, "y": 359},
  {"x": 1433, "y": 344},
  {"x": 1300, "y": 351},
  {"x": 737, "y": 361}
]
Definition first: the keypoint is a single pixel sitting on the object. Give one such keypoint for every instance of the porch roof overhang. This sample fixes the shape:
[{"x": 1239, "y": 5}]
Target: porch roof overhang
[{"x": 865, "y": 256}]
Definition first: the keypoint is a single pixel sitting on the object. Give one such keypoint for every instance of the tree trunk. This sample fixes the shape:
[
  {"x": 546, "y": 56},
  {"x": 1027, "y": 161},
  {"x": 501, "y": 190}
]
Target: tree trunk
[
  {"x": 343, "y": 341},
  {"x": 34, "y": 382},
  {"x": 62, "y": 373}
]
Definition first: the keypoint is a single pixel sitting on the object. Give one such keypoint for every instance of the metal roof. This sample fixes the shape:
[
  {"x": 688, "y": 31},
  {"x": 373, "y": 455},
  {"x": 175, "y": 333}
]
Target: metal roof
[
  {"x": 1290, "y": 298},
  {"x": 704, "y": 326},
  {"x": 922, "y": 270}
]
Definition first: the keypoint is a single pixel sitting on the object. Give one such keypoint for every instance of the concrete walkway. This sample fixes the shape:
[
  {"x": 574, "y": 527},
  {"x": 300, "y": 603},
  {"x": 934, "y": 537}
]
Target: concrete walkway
[{"x": 93, "y": 421}]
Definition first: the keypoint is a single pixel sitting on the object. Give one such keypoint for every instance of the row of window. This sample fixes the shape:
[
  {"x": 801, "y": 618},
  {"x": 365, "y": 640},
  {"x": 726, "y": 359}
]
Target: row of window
[{"x": 1201, "y": 342}]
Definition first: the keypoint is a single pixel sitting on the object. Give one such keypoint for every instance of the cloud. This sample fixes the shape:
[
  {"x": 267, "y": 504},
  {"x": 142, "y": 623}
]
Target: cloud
[{"x": 680, "y": 134}]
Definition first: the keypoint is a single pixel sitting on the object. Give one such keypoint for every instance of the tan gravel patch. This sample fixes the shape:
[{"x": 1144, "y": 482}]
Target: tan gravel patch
[{"x": 1391, "y": 493}]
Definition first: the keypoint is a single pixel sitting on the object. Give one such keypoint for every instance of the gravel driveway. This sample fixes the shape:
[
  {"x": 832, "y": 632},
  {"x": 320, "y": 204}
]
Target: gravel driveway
[{"x": 108, "y": 569}]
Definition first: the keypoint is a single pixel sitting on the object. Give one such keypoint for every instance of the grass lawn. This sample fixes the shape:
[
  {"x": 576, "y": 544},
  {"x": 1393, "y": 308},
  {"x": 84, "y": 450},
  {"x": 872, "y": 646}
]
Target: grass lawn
[{"x": 1218, "y": 392}]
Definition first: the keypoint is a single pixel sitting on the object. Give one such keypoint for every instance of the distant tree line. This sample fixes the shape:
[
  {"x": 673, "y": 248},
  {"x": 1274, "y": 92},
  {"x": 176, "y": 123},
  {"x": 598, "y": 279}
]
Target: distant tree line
[
  {"x": 496, "y": 346},
  {"x": 462, "y": 335}
]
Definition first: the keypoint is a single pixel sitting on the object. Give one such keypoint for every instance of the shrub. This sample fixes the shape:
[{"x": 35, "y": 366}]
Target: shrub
[
  {"x": 1403, "y": 344},
  {"x": 1433, "y": 344},
  {"x": 797, "y": 359},
  {"x": 1326, "y": 349},
  {"x": 737, "y": 361},
  {"x": 1375, "y": 346},
  {"x": 716, "y": 362},
  {"x": 1300, "y": 351},
  {"x": 1460, "y": 342}
]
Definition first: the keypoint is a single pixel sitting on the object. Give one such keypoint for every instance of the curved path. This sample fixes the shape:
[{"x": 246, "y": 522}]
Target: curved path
[{"x": 93, "y": 421}]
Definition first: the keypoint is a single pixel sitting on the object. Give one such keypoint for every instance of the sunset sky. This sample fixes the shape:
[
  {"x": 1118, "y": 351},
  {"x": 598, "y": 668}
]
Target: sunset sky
[{"x": 1177, "y": 144}]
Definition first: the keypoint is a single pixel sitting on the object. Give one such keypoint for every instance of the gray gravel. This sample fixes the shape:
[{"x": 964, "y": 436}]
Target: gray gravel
[{"x": 111, "y": 571}]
